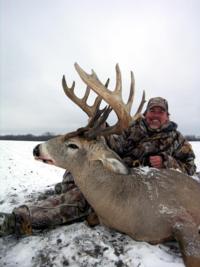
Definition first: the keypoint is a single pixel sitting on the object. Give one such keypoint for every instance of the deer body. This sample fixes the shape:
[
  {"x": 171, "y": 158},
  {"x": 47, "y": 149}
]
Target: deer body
[{"x": 147, "y": 204}]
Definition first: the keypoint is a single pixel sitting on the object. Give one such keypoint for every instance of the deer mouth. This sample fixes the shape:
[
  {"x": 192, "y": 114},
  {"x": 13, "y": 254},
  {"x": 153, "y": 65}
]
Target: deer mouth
[{"x": 45, "y": 160}]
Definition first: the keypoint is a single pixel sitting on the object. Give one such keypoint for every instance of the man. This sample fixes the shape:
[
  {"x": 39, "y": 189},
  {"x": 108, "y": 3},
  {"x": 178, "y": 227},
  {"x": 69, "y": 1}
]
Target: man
[{"x": 152, "y": 140}]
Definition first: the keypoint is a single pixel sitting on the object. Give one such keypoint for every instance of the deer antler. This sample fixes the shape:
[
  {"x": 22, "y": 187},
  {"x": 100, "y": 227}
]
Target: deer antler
[
  {"x": 114, "y": 99},
  {"x": 82, "y": 102}
]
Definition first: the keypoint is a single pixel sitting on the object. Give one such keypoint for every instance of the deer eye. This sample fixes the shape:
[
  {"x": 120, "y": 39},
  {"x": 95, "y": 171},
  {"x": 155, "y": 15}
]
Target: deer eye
[{"x": 73, "y": 146}]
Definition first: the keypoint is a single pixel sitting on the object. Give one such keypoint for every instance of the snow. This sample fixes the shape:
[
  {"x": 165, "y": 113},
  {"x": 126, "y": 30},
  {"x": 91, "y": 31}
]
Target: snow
[{"x": 23, "y": 179}]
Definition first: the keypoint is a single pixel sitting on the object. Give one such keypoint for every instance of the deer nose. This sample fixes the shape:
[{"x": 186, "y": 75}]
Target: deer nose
[{"x": 36, "y": 151}]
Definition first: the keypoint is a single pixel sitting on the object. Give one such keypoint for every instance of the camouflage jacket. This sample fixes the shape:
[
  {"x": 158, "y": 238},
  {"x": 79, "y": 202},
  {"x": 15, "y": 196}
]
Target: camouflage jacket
[{"x": 138, "y": 143}]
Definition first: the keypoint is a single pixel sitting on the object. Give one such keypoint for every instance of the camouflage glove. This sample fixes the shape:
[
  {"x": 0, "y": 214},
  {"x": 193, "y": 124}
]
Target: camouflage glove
[{"x": 187, "y": 167}]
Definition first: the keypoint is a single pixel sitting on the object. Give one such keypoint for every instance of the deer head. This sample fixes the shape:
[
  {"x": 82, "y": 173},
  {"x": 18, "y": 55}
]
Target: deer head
[{"x": 81, "y": 145}]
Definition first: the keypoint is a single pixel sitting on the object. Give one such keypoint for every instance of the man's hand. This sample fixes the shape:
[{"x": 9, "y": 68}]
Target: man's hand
[{"x": 156, "y": 161}]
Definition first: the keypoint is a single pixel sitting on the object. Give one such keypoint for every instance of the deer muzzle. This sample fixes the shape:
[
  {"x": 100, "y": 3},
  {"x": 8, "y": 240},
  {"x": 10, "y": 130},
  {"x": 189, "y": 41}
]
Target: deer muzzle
[{"x": 39, "y": 155}]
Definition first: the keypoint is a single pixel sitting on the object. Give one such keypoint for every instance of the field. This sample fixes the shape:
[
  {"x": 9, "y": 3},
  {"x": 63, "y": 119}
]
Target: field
[{"x": 22, "y": 179}]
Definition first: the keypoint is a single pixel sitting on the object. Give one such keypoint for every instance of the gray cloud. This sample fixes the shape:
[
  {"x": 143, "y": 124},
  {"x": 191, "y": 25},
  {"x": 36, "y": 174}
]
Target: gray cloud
[{"x": 41, "y": 40}]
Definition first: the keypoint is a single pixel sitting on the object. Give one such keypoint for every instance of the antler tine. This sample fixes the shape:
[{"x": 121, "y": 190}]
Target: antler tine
[
  {"x": 138, "y": 112},
  {"x": 94, "y": 125},
  {"x": 69, "y": 91},
  {"x": 97, "y": 125},
  {"x": 131, "y": 94},
  {"x": 82, "y": 102},
  {"x": 86, "y": 95},
  {"x": 98, "y": 99},
  {"x": 118, "y": 87},
  {"x": 96, "y": 104}
]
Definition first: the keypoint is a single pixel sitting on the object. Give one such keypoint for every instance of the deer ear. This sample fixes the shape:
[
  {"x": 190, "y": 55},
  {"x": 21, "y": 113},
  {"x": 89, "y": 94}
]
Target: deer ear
[{"x": 114, "y": 165}]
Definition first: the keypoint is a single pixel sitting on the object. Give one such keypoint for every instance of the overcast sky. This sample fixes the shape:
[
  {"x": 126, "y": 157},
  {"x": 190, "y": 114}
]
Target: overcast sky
[{"x": 40, "y": 41}]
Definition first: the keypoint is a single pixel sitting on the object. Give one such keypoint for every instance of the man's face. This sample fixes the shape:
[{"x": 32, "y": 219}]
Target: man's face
[{"x": 156, "y": 117}]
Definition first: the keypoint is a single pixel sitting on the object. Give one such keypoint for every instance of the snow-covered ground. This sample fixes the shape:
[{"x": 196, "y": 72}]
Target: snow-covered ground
[{"x": 22, "y": 179}]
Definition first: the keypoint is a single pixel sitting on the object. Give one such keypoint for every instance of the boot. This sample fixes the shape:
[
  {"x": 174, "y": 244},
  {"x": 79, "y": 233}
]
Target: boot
[
  {"x": 7, "y": 224},
  {"x": 23, "y": 225},
  {"x": 18, "y": 222}
]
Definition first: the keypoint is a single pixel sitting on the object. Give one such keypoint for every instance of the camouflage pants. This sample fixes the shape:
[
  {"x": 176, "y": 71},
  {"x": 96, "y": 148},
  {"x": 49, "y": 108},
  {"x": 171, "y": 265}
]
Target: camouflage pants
[{"x": 64, "y": 208}]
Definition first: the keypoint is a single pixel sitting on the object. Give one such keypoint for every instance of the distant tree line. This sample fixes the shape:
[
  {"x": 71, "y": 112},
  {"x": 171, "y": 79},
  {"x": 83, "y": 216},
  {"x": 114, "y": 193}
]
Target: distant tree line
[
  {"x": 46, "y": 136},
  {"x": 28, "y": 137},
  {"x": 192, "y": 137}
]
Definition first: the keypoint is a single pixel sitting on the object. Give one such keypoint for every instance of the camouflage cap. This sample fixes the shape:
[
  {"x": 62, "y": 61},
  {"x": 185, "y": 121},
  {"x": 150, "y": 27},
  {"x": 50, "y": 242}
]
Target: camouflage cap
[{"x": 157, "y": 102}]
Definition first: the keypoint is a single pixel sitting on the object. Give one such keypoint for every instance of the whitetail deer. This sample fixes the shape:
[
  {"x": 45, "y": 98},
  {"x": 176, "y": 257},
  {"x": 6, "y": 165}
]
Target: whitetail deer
[{"x": 152, "y": 205}]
